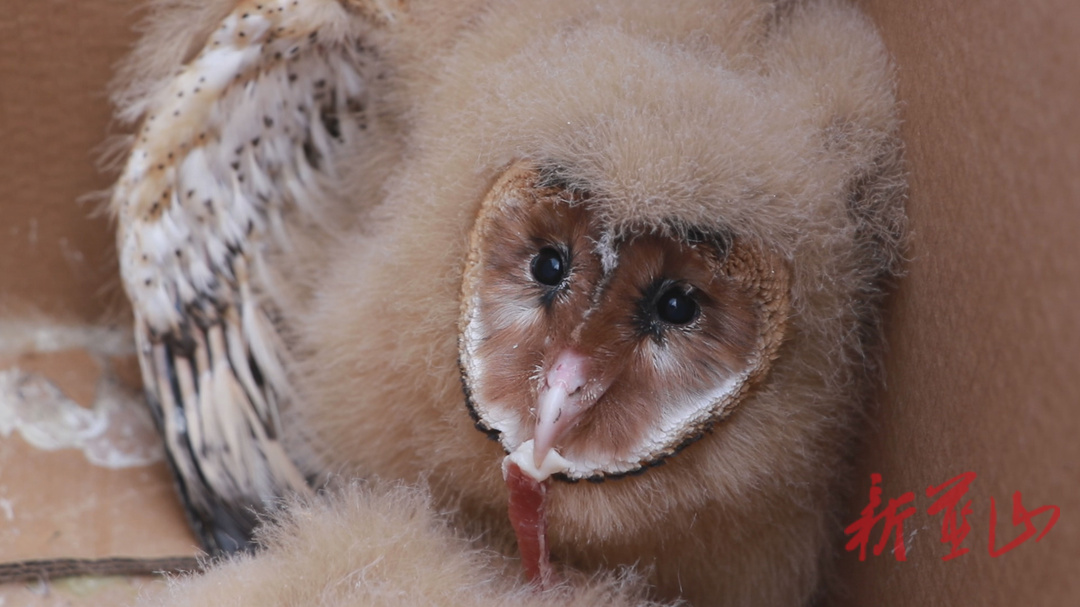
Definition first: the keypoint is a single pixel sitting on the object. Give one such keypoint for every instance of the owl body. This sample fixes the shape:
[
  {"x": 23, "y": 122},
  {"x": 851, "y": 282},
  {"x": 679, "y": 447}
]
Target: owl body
[{"x": 702, "y": 134}]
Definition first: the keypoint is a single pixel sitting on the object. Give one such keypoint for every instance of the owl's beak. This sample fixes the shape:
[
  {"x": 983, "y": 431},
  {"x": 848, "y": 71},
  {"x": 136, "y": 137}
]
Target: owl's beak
[{"x": 560, "y": 403}]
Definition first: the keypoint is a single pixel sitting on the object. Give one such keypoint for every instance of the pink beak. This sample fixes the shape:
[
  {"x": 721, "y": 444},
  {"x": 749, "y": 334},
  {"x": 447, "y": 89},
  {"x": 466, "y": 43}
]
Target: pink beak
[{"x": 560, "y": 403}]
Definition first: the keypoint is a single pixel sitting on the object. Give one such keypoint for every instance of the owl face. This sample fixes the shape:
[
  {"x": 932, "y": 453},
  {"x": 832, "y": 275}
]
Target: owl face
[{"x": 595, "y": 354}]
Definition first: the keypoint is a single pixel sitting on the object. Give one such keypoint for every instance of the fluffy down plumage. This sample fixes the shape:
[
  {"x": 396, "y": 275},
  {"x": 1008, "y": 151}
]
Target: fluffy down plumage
[
  {"x": 380, "y": 545},
  {"x": 771, "y": 122}
]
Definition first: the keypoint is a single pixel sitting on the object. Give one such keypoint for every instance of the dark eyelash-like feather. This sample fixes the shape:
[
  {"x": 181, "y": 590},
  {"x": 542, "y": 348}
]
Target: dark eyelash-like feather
[{"x": 720, "y": 239}]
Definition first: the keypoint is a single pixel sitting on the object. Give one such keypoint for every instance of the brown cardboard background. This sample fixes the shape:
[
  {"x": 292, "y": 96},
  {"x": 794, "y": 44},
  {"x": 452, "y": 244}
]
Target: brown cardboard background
[
  {"x": 985, "y": 329},
  {"x": 56, "y": 504},
  {"x": 55, "y": 58}
]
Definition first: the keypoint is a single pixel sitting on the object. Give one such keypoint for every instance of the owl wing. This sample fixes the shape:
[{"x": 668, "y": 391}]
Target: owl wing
[{"x": 233, "y": 163}]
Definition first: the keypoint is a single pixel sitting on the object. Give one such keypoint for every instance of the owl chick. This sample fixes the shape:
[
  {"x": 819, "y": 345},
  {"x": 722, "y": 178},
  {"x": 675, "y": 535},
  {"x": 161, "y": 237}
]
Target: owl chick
[{"x": 635, "y": 233}]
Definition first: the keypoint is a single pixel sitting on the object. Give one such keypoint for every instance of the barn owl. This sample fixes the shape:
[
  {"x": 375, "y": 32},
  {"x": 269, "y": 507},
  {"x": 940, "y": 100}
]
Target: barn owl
[{"x": 607, "y": 235}]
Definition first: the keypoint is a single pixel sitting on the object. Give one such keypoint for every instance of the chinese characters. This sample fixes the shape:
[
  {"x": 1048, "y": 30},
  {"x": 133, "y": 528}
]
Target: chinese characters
[{"x": 954, "y": 525}]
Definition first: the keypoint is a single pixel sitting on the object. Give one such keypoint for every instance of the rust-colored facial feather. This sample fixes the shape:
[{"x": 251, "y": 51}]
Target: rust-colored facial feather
[
  {"x": 641, "y": 367},
  {"x": 523, "y": 318},
  {"x": 651, "y": 365}
]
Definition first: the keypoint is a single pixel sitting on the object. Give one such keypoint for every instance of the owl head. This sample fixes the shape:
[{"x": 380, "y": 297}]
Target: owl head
[
  {"x": 675, "y": 231},
  {"x": 614, "y": 349}
]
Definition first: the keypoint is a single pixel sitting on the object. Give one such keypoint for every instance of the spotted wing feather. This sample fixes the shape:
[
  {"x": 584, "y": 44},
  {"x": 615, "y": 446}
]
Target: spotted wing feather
[{"x": 232, "y": 164}]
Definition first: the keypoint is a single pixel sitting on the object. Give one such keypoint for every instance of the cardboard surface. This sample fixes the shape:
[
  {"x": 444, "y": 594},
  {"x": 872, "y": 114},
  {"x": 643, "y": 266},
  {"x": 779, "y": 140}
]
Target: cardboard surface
[
  {"x": 985, "y": 331},
  {"x": 985, "y": 328},
  {"x": 55, "y": 60},
  {"x": 91, "y": 479},
  {"x": 56, "y": 262},
  {"x": 82, "y": 473}
]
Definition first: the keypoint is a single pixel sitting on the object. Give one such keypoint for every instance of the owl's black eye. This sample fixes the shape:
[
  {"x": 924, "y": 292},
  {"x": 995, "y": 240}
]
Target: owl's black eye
[
  {"x": 675, "y": 306},
  {"x": 548, "y": 267}
]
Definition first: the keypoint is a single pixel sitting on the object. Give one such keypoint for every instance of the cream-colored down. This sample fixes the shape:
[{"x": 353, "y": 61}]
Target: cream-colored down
[
  {"x": 775, "y": 121},
  {"x": 379, "y": 545}
]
